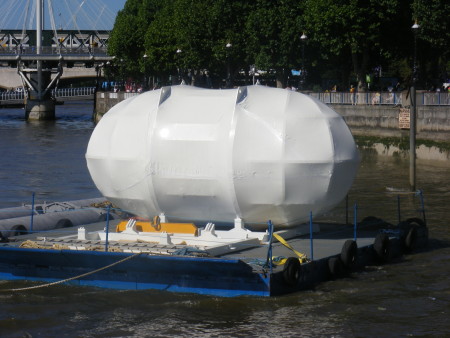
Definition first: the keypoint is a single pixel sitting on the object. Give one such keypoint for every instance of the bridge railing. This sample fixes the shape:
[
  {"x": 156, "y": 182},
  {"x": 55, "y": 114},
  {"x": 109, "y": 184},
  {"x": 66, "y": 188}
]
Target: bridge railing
[
  {"x": 53, "y": 50},
  {"x": 56, "y": 93},
  {"x": 12, "y": 96}
]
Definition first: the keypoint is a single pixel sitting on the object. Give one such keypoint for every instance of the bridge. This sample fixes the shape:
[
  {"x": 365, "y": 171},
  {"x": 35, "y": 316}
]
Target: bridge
[
  {"x": 11, "y": 80},
  {"x": 37, "y": 59}
]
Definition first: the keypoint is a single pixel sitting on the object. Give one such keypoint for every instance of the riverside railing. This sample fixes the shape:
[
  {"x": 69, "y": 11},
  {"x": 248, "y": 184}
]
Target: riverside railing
[
  {"x": 69, "y": 92},
  {"x": 382, "y": 98},
  {"x": 338, "y": 98}
]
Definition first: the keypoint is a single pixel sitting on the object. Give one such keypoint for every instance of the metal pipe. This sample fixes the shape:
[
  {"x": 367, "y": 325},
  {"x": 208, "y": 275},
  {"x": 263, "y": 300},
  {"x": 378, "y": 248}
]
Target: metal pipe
[
  {"x": 32, "y": 213},
  {"x": 311, "y": 242},
  {"x": 346, "y": 209},
  {"x": 107, "y": 226},
  {"x": 39, "y": 46},
  {"x": 355, "y": 219},
  {"x": 422, "y": 203},
  {"x": 269, "y": 251},
  {"x": 412, "y": 140},
  {"x": 412, "y": 129}
]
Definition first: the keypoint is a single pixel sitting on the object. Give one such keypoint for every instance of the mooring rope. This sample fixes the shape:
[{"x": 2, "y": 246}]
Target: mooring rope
[{"x": 72, "y": 278}]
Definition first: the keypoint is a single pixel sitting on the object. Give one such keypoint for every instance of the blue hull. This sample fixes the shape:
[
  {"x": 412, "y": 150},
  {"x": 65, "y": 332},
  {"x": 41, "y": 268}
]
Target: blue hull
[{"x": 209, "y": 276}]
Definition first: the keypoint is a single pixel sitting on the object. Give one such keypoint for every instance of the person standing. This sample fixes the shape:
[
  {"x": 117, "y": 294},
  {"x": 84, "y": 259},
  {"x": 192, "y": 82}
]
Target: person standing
[{"x": 353, "y": 94}]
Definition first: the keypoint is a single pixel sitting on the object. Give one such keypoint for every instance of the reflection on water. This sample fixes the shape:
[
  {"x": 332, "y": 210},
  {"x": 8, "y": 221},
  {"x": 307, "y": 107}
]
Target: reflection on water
[
  {"x": 45, "y": 157},
  {"x": 411, "y": 297}
]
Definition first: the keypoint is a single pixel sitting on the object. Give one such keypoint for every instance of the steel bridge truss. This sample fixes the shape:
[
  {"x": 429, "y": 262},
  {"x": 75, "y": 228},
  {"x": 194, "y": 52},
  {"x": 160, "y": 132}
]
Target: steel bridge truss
[{"x": 75, "y": 41}]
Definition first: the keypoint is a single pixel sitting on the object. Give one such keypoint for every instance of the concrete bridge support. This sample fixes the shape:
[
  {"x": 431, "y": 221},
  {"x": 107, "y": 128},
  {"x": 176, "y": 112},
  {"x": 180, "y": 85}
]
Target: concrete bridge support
[
  {"x": 39, "y": 103},
  {"x": 38, "y": 110}
]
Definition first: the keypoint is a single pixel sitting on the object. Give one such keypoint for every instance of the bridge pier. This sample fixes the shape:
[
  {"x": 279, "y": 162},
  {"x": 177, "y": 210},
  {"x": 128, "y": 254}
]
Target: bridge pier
[
  {"x": 39, "y": 105},
  {"x": 38, "y": 110}
]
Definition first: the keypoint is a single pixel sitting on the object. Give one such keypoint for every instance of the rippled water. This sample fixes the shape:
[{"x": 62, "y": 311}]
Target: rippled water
[{"x": 408, "y": 298}]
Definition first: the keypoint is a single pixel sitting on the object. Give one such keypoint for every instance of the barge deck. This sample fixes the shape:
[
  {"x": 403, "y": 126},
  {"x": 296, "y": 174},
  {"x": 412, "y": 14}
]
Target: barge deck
[{"x": 259, "y": 264}]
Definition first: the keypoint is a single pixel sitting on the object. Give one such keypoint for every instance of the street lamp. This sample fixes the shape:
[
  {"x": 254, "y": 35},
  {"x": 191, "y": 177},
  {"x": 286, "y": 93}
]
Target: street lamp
[
  {"x": 228, "y": 84},
  {"x": 413, "y": 118},
  {"x": 303, "y": 38},
  {"x": 179, "y": 51},
  {"x": 145, "y": 57}
]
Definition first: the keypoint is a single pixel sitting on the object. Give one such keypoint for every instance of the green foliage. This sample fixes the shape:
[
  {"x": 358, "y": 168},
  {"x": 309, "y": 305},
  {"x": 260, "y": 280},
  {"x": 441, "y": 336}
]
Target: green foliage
[
  {"x": 349, "y": 28},
  {"x": 434, "y": 39},
  {"x": 126, "y": 40},
  {"x": 347, "y": 39},
  {"x": 273, "y": 29}
]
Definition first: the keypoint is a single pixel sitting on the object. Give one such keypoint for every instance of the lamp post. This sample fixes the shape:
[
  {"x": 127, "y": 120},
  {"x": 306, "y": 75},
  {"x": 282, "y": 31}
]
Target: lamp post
[
  {"x": 122, "y": 76},
  {"x": 228, "y": 83},
  {"x": 413, "y": 118},
  {"x": 303, "y": 38},
  {"x": 145, "y": 72},
  {"x": 179, "y": 51}
]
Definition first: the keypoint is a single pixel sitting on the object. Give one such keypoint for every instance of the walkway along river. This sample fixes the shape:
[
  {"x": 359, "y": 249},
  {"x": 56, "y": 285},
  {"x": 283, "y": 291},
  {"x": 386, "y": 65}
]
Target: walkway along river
[{"x": 411, "y": 297}]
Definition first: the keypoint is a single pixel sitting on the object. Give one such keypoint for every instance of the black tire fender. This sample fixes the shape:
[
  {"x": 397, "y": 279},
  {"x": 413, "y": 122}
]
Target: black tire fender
[
  {"x": 416, "y": 220},
  {"x": 292, "y": 271},
  {"x": 336, "y": 267},
  {"x": 64, "y": 223},
  {"x": 349, "y": 253},
  {"x": 18, "y": 230},
  {"x": 411, "y": 239},
  {"x": 382, "y": 246}
]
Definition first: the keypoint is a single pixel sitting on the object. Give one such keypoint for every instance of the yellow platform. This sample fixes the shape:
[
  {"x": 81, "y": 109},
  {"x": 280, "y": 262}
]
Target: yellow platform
[{"x": 145, "y": 225}]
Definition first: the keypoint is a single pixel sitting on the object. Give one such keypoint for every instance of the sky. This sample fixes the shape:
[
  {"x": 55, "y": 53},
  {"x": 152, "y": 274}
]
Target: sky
[{"x": 67, "y": 14}]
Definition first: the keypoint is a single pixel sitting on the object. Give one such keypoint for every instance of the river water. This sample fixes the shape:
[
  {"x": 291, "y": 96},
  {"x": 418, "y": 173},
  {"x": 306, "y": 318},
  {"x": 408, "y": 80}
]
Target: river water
[{"x": 408, "y": 298}]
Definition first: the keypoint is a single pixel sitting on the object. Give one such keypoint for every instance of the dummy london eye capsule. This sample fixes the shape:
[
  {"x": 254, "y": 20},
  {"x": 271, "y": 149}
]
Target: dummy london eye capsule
[{"x": 202, "y": 155}]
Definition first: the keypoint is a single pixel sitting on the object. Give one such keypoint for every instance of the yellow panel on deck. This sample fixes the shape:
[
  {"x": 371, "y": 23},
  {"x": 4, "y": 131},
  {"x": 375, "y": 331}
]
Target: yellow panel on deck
[{"x": 156, "y": 226}]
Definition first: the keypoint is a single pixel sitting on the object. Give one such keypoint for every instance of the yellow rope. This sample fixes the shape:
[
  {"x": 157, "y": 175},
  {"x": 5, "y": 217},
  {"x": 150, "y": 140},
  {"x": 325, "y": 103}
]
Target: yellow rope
[
  {"x": 33, "y": 245},
  {"x": 28, "y": 244},
  {"x": 302, "y": 257},
  {"x": 72, "y": 278}
]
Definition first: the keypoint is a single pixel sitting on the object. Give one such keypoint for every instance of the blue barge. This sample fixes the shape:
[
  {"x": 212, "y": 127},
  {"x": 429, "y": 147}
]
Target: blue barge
[
  {"x": 212, "y": 276},
  {"x": 245, "y": 270}
]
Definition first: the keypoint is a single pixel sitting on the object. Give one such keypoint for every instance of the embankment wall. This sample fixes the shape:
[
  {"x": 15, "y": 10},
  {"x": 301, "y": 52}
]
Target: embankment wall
[{"x": 433, "y": 122}]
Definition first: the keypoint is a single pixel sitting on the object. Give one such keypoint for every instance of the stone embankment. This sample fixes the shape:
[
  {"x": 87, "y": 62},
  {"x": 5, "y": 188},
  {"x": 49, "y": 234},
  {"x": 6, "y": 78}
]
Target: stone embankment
[{"x": 433, "y": 122}]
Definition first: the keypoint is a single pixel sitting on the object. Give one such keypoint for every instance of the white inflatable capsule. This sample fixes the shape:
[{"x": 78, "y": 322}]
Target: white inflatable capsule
[{"x": 255, "y": 153}]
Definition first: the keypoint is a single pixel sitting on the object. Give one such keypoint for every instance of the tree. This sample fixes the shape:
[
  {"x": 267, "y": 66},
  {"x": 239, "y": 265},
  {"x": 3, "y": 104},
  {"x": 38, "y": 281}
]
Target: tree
[
  {"x": 347, "y": 39},
  {"x": 126, "y": 40},
  {"x": 200, "y": 31},
  {"x": 273, "y": 29},
  {"x": 349, "y": 28},
  {"x": 434, "y": 39}
]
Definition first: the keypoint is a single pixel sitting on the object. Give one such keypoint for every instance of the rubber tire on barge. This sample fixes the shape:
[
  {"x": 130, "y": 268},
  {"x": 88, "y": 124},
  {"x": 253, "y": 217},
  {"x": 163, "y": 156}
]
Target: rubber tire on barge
[
  {"x": 349, "y": 253},
  {"x": 292, "y": 271},
  {"x": 382, "y": 247},
  {"x": 336, "y": 267},
  {"x": 413, "y": 228}
]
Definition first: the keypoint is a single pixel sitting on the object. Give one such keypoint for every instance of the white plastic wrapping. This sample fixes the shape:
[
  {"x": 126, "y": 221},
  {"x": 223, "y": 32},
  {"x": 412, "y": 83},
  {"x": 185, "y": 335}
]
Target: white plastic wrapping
[{"x": 255, "y": 153}]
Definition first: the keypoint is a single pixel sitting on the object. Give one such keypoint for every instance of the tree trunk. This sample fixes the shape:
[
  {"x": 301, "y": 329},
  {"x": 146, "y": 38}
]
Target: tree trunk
[
  {"x": 360, "y": 68},
  {"x": 281, "y": 78}
]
